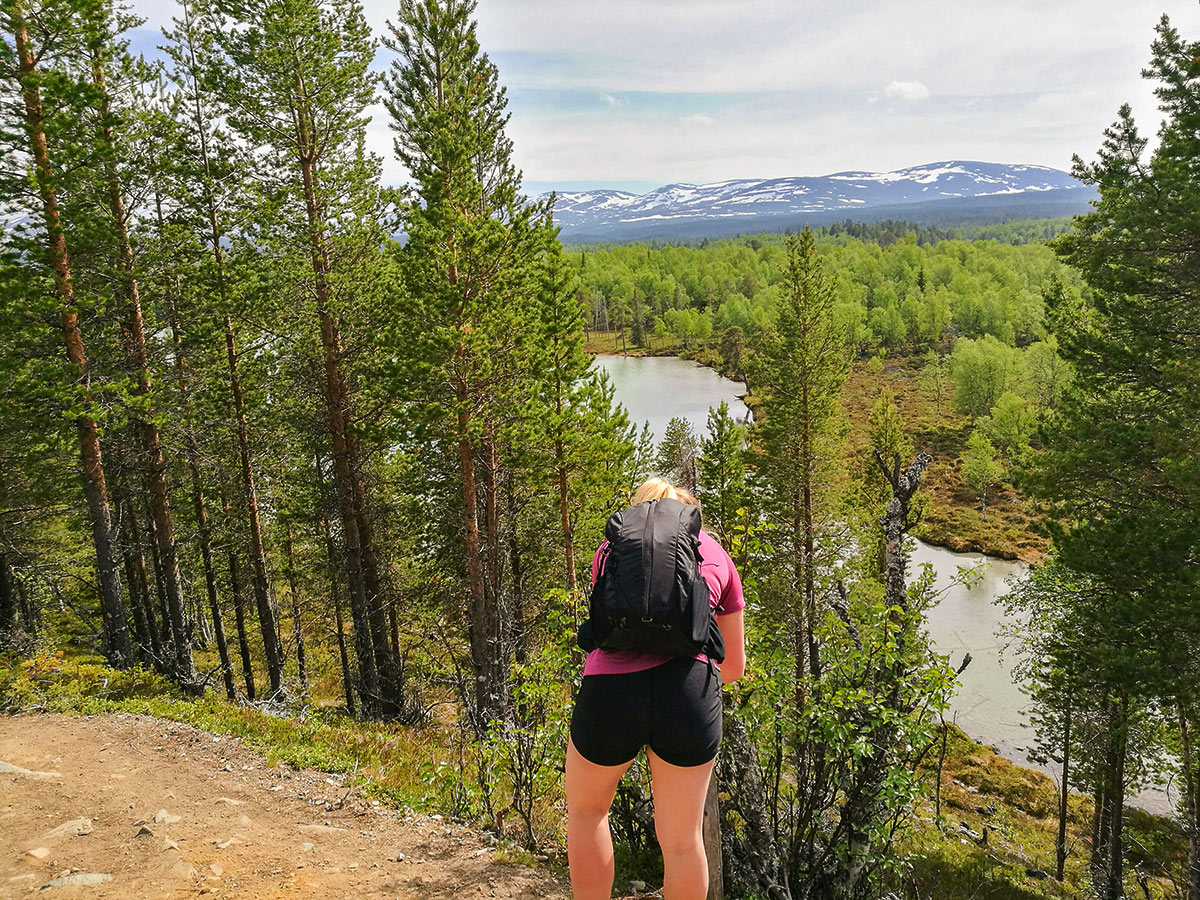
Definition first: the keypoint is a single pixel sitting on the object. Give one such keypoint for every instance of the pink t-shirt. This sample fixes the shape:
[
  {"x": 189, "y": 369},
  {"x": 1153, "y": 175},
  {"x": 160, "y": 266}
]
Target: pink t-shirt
[{"x": 724, "y": 592}]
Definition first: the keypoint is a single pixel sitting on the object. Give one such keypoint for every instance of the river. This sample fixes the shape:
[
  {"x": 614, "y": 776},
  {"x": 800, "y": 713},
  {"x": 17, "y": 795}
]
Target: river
[{"x": 989, "y": 703}]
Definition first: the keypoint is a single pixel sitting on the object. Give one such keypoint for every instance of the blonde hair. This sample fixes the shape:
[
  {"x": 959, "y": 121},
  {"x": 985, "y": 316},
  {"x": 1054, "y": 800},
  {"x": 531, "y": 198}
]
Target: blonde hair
[{"x": 661, "y": 489}]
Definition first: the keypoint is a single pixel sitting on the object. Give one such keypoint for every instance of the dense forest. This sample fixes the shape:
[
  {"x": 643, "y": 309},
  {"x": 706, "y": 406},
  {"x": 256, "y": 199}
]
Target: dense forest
[{"x": 254, "y": 450}]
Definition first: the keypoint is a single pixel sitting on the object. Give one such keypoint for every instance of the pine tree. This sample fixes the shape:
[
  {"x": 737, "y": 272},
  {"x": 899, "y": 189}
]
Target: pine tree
[
  {"x": 108, "y": 55},
  {"x": 799, "y": 371},
  {"x": 1120, "y": 468},
  {"x": 56, "y": 38},
  {"x": 722, "y": 469},
  {"x": 467, "y": 269},
  {"x": 294, "y": 84},
  {"x": 678, "y": 453}
]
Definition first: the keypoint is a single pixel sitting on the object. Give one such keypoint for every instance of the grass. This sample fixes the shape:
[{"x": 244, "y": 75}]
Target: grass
[
  {"x": 412, "y": 768},
  {"x": 1017, "y": 808},
  {"x": 393, "y": 763}
]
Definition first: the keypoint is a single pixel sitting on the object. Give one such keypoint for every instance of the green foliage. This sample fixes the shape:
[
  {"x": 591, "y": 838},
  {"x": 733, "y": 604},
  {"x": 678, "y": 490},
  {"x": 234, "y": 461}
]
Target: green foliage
[
  {"x": 980, "y": 467},
  {"x": 1010, "y": 424},
  {"x": 678, "y": 453},
  {"x": 905, "y": 291},
  {"x": 983, "y": 370},
  {"x": 722, "y": 470}
]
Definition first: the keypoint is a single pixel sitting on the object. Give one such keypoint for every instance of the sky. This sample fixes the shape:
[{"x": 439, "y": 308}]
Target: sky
[{"x": 634, "y": 94}]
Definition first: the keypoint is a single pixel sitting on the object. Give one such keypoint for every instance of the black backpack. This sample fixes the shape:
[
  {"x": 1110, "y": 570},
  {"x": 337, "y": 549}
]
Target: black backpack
[{"x": 649, "y": 595}]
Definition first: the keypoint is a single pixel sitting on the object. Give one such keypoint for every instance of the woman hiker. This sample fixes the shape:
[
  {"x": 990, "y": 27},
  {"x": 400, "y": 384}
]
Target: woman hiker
[{"x": 669, "y": 701}]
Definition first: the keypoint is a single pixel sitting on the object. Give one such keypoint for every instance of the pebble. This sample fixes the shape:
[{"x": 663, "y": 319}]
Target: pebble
[
  {"x": 10, "y": 769},
  {"x": 162, "y": 817},
  {"x": 145, "y": 831},
  {"x": 184, "y": 870},
  {"x": 78, "y": 827},
  {"x": 79, "y": 879}
]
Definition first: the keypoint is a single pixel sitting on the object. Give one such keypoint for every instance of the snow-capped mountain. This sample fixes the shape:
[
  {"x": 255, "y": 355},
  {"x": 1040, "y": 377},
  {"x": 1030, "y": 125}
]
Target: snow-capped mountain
[{"x": 745, "y": 204}]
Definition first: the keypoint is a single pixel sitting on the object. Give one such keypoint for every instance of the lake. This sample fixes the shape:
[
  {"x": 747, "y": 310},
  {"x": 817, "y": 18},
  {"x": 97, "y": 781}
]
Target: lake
[{"x": 988, "y": 704}]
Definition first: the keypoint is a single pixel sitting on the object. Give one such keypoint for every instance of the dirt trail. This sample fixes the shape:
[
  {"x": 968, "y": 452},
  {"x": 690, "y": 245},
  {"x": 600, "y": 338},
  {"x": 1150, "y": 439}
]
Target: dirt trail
[{"x": 168, "y": 811}]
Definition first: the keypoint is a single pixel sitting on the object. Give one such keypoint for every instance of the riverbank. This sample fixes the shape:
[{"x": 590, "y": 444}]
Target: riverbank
[{"x": 953, "y": 517}]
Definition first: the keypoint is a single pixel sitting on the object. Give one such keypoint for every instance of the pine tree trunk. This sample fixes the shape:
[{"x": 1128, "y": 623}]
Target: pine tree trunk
[
  {"x": 1116, "y": 843},
  {"x": 241, "y": 430},
  {"x": 139, "y": 589},
  {"x": 1060, "y": 844},
  {"x": 116, "y": 631},
  {"x": 160, "y": 597},
  {"x": 199, "y": 506},
  {"x": 344, "y": 656},
  {"x": 390, "y": 702},
  {"x": 368, "y": 684},
  {"x": 141, "y": 627},
  {"x": 498, "y": 648},
  {"x": 9, "y": 628},
  {"x": 368, "y": 623},
  {"x": 485, "y": 706},
  {"x": 239, "y": 611},
  {"x": 297, "y": 631},
  {"x": 30, "y": 614},
  {"x": 267, "y": 623},
  {"x": 1191, "y": 807},
  {"x": 800, "y": 606}
]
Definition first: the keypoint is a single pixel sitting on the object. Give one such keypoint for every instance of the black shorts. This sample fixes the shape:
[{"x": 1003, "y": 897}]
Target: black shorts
[{"x": 674, "y": 707}]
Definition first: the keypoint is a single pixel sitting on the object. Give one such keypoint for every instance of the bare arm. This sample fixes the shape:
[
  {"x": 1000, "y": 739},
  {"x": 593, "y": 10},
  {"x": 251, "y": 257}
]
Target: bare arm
[{"x": 732, "y": 626}]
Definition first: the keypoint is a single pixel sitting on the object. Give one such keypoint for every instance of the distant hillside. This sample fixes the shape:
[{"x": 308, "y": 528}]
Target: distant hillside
[{"x": 945, "y": 193}]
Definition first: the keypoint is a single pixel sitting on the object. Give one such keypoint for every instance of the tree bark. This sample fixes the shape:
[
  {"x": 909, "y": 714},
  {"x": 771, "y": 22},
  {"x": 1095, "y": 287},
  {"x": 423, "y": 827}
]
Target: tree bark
[
  {"x": 9, "y": 628},
  {"x": 1060, "y": 844},
  {"x": 29, "y": 610},
  {"x": 368, "y": 684},
  {"x": 1191, "y": 807},
  {"x": 199, "y": 506},
  {"x": 347, "y": 678},
  {"x": 139, "y": 588},
  {"x": 116, "y": 631},
  {"x": 239, "y": 611},
  {"x": 267, "y": 623},
  {"x": 297, "y": 631},
  {"x": 711, "y": 829}
]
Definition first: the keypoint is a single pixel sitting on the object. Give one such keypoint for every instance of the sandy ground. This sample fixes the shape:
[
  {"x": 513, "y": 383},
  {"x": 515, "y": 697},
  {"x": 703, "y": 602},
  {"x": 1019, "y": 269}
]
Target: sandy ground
[{"x": 164, "y": 810}]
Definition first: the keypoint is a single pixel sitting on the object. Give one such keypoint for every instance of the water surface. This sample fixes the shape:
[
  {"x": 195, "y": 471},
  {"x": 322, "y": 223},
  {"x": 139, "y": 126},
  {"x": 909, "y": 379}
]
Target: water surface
[{"x": 656, "y": 389}]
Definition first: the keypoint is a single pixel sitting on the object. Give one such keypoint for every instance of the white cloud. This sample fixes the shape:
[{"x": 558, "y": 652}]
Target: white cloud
[
  {"x": 1013, "y": 81},
  {"x": 906, "y": 90},
  {"x": 698, "y": 119}
]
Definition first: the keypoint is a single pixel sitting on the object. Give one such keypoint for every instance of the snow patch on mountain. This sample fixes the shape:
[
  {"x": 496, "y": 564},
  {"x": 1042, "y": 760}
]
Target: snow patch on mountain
[{"x": 944, "y": 181}]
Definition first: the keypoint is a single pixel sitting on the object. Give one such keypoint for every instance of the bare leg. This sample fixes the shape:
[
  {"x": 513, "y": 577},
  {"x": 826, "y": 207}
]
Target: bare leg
[
  {"x": 679, "y": 794},
  {"x": 590, "y": 789}
]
